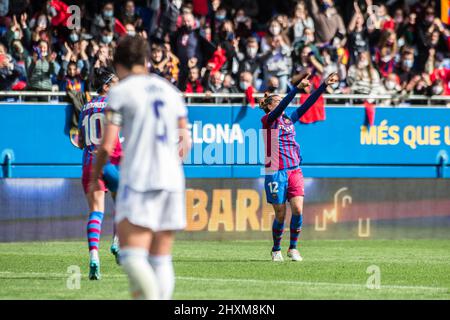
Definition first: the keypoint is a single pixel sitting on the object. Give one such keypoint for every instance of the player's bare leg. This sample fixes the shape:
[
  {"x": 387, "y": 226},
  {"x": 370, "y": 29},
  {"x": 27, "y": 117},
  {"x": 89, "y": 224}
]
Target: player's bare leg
[
  {"x": 277, "y": 231},
  {"x": 96, "y": 201},
  {"x": 135, "y": 242},
  {"x": 295, "y": 227},
  {"x": 161, "y": 260}
]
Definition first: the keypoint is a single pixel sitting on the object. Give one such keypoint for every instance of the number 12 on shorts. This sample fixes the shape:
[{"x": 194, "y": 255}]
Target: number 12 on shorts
[{"x": 273, "y": 187}]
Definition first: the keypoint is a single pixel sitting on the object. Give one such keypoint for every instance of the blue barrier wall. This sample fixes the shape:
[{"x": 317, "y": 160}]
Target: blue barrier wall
[{"x": 404, "y": 143}]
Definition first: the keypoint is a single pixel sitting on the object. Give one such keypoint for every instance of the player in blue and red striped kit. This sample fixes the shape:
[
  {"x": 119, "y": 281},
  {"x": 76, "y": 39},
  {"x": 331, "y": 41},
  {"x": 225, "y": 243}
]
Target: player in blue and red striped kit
[
  {"x": 91, "y": 130},
  {"x": 283, "y": 176}
]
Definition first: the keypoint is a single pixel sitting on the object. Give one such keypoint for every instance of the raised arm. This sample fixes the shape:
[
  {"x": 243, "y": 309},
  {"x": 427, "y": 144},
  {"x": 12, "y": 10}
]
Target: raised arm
[
  {"x": 300, "y": 111},
  {"x": 279, "y": 109}
]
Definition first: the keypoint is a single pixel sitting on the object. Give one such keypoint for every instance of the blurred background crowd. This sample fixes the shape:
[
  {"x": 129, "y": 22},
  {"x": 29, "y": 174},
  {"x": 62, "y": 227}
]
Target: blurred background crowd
[{"x": 230, "y": 46}]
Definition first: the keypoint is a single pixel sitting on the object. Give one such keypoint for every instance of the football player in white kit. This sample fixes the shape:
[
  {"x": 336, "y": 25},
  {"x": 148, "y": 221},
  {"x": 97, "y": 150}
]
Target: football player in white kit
[{"x": 152, "y": 116}]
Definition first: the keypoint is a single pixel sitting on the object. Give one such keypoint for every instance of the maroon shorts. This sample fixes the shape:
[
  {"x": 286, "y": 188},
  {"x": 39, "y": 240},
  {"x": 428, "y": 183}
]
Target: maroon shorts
[{"x": 86, "y": 176}]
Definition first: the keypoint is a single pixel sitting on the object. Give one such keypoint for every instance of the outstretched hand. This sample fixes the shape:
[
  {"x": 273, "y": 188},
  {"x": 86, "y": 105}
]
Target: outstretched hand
[{"x": 304, "y": 81}]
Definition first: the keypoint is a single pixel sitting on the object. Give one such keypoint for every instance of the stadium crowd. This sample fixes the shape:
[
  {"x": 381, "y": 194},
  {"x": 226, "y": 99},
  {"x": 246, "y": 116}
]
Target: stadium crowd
[{"x": 230, "y": 45}]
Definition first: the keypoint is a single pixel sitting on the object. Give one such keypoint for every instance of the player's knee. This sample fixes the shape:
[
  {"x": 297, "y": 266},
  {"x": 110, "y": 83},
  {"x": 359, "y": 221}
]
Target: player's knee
[{"x": 280, "y": 214}]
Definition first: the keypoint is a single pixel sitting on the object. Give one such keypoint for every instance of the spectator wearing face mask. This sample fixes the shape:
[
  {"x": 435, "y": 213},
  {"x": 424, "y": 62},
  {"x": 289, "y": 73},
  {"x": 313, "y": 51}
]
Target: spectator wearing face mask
[
  {"x": 18, "y": 32},
  {"x": 362, "y": 77},
  {"x": 327, "y": 20},
  {"x": 106, "y": 21},
  {"x": 404, "y": 68},
  {"x": 440, "y": 78},
  {"x": 392, "y": 87},
  {"x": 107, "y": 37},
  {"x": 277, "y": 62},
  {"x": 300, "y": 22},
  {"x": 251, "y": 61},
  {"x": 274, "y": 30},
  {"x": 10, "y": 71},
  {"x": 41, "y": 67},
  {"x": 385, "y": 53}
]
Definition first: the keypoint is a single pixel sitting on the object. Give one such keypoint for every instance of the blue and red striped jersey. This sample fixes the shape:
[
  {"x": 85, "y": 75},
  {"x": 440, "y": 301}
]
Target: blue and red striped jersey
[
  {"x": 282, "y": 151},
  {"x": 92, "y": 125}
]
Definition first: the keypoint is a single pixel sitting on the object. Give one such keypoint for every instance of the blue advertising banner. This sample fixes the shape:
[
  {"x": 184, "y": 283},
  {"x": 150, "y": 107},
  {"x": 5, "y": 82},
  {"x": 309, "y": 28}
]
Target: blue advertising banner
[{"x": 228, "y": 143}]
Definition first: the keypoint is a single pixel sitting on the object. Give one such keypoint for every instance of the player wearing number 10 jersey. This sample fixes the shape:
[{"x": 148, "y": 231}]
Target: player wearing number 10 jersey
[
  {"x": 92, "y": 123},
  {"x": 152, "y": 116}
]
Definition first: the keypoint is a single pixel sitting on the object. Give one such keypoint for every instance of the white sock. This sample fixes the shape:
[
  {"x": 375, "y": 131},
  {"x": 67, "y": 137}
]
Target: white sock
[
  {"x": 143, "y": 283},
  {"x": 163, "y": 267},
  {"x": 93, "y": 255}
]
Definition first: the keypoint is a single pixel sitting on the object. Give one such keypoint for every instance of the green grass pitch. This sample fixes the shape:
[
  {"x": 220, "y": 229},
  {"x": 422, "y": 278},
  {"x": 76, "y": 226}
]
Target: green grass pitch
[{"x": 332, "y": 269}]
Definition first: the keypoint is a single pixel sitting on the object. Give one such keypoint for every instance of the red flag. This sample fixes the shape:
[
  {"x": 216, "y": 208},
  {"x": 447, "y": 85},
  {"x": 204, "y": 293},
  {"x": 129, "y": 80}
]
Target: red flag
[
  {"x": 119, "y": 28},
  {"x": 316, "y": 112},
  {"x": 61, "y": 13},
  {"x": 249, "y": 96},
  {"x": 370, "y": 113}
]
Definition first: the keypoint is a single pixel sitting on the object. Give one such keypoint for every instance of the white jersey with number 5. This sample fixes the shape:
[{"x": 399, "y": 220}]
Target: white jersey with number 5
[{"x": 148, "y": 108}]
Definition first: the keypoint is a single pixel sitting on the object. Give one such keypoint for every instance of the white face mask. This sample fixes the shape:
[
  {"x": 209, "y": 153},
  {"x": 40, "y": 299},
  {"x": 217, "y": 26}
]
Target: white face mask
[
  {"x": 275, "y": 30},
  {"x": 243, "y": 85},
  {"x": 437, "y": 90},
  {"x": 251, "y": 52},
  {"x": 390, "y": 85},
  {"x": 364, "y": 64}
]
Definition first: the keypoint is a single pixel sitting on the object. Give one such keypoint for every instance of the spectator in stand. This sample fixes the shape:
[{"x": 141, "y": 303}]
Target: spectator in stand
[
  {"x": 278, "y": 62},
  {"x": 162, "y": 64},
  {"x": 274, "y": 30},
  {"x": 357, "y": 36},
  {"x": 362, "y": 77},
  {"x": 308, "y": 62},
  {"x": 273, "y": 85},
  {"x": 75, "y": 67},
  {"x": 193, "y": 84},
  {"x": 4, "y": 7},
  {"x": 404, "y": 68},
  {"x": 440, "y": 77},
  {"x": 41, "y": 66},
  {"x": 251, "y": 61},
  {"x": 130, "y": 15},
  {"x": 106, "y": 21},
  {"x": 300, "y": 22},
  {"x": 10, "y": 71},
  {"x": 327, "y": 20},
  {"x": 229, "y": 84},
  {"x": 385, "y": 53},
  {"x": 18, "y": 32},
  {"x": 187, "y": 45},
  {"x": 214, "y": 82},
  {"x": 251, "y": 7},
  {"x": 408, "y": 30}
]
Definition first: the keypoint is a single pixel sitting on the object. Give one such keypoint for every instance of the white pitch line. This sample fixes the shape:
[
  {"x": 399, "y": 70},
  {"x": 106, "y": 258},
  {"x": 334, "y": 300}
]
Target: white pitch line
[
  {"x": 13, "y": 275},
  {"x": 310, "y": 283}
]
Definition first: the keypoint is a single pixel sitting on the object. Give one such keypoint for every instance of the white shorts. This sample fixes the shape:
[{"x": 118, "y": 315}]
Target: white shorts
[{"x": 158, "y": 210}]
